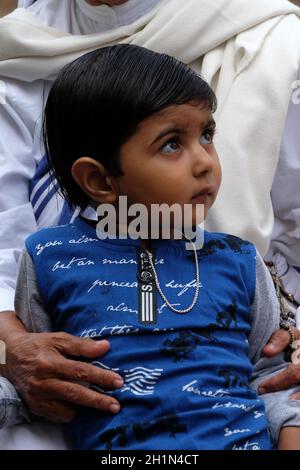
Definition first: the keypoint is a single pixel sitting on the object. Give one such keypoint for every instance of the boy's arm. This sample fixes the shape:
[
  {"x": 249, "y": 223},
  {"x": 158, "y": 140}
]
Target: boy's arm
[
  {"x": 28, "y": 301},
  {"x": 281, "y": 411}
]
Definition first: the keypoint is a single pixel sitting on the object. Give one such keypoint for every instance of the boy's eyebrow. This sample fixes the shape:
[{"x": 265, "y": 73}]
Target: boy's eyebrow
[
  {"x": 178, "y": 130},
  {"x": 171, "y": 130}
]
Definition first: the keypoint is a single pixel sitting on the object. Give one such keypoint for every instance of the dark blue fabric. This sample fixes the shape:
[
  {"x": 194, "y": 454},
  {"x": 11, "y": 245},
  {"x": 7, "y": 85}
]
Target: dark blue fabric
[
  {"x": 41, "y": 189},
  {"x": 48, "y": 196},
  {"x": 42, "y": 171},
  {"x": 186, "y": 378},
  {"x": 66, "y": 214}
]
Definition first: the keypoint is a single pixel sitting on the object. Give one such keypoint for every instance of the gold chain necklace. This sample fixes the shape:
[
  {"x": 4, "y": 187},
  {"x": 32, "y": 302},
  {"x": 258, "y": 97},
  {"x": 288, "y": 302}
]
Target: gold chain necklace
[{"x": 188, "y": 309}]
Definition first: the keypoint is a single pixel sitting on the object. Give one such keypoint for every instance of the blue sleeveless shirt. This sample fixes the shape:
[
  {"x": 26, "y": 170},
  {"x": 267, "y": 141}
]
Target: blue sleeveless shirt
[{"x": 186, "y": 377}]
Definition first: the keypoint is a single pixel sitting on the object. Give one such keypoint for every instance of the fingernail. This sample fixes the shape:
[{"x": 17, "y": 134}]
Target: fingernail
[
  {"x": 261, "y": 390},
  {"x": 270, "y": 347},
  {"x": 102, "y": 341},
  {"x": 118, "y": 383},
  {"x": 114, "y": 408}
]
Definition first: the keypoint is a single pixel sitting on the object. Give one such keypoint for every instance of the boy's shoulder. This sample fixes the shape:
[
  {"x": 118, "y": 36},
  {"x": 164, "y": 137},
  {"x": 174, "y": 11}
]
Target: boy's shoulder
[
  {"x": 55, "y": 234},
  {"x": 223, "y": 242},
  {"x": 72, "y": 235},
  {"x": 238, "y": 256}
]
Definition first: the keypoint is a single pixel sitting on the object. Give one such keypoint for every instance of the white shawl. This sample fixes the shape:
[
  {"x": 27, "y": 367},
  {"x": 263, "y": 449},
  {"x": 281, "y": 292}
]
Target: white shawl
[{"x": 248, "y": 50}]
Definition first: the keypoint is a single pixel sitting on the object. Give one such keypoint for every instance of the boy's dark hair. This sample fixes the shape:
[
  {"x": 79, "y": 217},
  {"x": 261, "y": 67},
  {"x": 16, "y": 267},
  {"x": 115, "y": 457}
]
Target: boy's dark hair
[{"x": 97, "y": 102}]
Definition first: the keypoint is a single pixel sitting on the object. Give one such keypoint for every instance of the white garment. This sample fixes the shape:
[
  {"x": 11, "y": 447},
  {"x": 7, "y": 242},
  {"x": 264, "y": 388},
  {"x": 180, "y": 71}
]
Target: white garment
[
  {"x": 20, "y": 124},
  {"x": 285, "y": 245},
  {"x": 19, "y": 152},
  {"x": 78, "y": 17},
  {"x": 33, "y": 436},
  {"x": 20, "y": 117}
]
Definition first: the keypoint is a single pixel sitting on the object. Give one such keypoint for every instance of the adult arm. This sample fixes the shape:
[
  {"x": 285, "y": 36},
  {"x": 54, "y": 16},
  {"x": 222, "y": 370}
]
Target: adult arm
[{"x": 49, "y": 382}]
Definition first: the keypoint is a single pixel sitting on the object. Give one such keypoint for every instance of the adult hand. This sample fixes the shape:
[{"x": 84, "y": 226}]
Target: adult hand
[
  {"x": 290, "y": 377},
  {"x": 49, "y": 382}
]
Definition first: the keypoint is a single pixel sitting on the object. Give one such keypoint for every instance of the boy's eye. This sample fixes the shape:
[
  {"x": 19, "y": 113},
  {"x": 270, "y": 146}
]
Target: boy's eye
[
  {"x": 207, "y": 137},
  {"x": 170, "y": 147}
]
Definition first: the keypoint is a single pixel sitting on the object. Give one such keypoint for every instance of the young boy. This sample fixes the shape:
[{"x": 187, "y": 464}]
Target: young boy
[{"x": 183, "y": 325}]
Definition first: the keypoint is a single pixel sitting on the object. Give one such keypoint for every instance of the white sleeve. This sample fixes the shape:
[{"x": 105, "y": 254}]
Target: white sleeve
[
  {"x": 285, "y": 244},
  {"x": 20, "y": 120}
]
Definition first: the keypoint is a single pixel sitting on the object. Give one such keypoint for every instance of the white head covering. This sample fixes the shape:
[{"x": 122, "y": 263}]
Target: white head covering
[
  {"x": 250, "y": 56},
  {"x": 25, "y": 3}
]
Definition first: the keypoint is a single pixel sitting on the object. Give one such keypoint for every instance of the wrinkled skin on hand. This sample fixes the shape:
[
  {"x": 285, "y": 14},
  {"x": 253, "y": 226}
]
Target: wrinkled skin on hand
[
  {"x": 290, "y": 377},
  {"x": 43, "y": 368}
]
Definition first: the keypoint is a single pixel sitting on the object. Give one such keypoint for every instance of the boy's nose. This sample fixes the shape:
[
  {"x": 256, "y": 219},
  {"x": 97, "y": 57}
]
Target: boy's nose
[{"x": 202, "y": 161}]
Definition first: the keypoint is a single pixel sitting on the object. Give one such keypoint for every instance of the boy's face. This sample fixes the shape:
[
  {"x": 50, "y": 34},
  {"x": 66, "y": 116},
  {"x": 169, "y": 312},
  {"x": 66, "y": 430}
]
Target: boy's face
[{"x": 171, "y": 159}]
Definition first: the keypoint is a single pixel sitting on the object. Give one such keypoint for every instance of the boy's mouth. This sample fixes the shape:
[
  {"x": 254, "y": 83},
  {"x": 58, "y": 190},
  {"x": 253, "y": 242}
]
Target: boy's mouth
[{"x": 200, "y": 197}]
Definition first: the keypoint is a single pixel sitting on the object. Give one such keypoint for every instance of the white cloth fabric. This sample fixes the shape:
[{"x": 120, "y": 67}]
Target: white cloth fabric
[
  {"x": 238, "y": 45},
  {"x": 78, "y": 17},
  {"x": 285, "y": 245},
  {"x": 33, "y": 436},
  {"x": 227, "y": 32},
  {"x": 20, "y": 122}
]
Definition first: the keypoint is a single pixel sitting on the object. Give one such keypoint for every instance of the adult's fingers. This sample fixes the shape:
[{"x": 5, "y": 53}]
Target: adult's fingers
[
  {"x": 78, "y": 394},
  {"x": 278, "y": 342},
  {"x": 74, "y": 346},
  {"x": 31, "y": 363},
  {"x": 286, "y": 379},
  {"x": 82, "y": 372}
]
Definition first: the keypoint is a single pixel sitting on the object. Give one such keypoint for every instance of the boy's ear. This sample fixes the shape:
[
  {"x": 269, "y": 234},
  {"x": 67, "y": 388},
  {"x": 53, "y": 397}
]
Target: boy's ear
[{"x": 94, "y": 180}]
